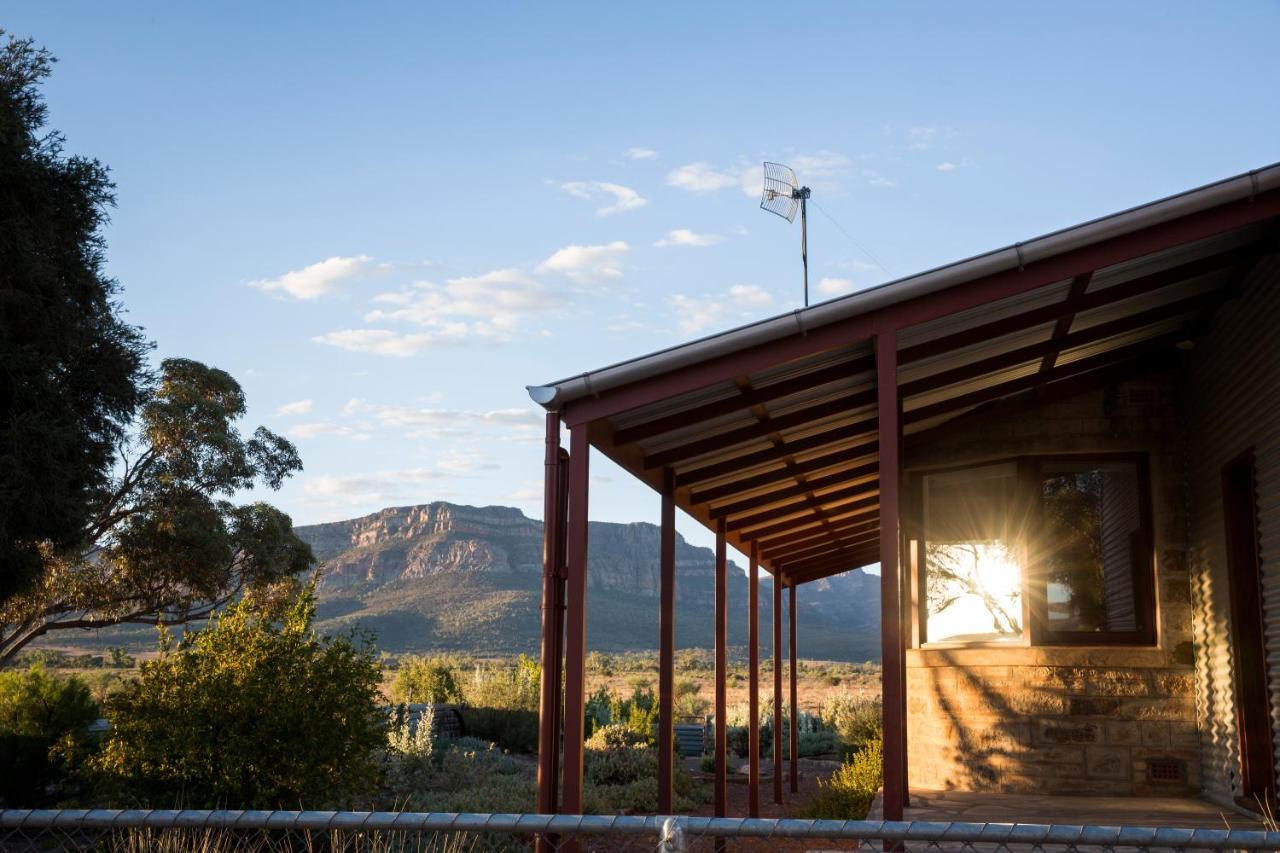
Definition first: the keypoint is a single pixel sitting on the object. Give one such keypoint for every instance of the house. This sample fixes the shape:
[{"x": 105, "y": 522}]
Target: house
[{"x": 1065, "y": 457}]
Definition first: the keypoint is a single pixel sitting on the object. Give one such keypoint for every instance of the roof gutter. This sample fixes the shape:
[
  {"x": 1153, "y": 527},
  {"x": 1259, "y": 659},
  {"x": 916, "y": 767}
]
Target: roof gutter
[{"x": 557, "y": 394}]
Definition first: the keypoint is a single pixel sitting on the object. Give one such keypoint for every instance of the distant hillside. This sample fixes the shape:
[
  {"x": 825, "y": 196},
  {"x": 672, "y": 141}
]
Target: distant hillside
[{"x": 445, "y": 577}]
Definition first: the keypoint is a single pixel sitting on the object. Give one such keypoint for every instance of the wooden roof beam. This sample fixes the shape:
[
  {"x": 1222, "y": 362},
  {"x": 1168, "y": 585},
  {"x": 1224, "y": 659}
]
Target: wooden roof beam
[{"x": 862, "y": 433}]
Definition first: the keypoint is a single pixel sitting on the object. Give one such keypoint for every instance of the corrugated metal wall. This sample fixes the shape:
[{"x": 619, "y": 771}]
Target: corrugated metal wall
[{"x": 1233, "y": 400}]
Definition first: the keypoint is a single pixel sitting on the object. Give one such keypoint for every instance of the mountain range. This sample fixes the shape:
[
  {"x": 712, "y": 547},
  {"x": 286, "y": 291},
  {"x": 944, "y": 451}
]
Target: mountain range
[{"x": 445, "y": 577}]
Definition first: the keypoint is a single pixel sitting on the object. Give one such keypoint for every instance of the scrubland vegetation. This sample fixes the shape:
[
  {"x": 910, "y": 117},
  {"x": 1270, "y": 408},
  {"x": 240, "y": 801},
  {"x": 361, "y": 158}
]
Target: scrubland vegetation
[{"x": 256, "y": 710}]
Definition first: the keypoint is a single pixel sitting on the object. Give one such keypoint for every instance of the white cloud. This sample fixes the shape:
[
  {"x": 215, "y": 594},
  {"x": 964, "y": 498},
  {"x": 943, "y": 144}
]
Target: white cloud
[
  {"x": 387, "y": 342},
  {"x": 298, "y": 407},
  {"x": 486, "y": 307},
  {"x": 587, "y": 263},
  {"x": 624, "y": 198},
  {"x": 695, "y": 314},
  {"x": 701, "y": 178},
  {"x": 946, "y": 167},
  {"x": 378, "y": 487},
  {"x": 685, "y": 237},
  {"x": 426, "y": 422},
  {"x": 876, "y": 179},
  {"x": 750, "y": 296},
  {"x": 318, "y": 279},
  {"x": 835, "y": 286},
  {"x": 920, "y": 138},
  {"x": 322, "y": 428},
  {"x": 640, "y": 154},
  {"x": 464, "y": 461}
]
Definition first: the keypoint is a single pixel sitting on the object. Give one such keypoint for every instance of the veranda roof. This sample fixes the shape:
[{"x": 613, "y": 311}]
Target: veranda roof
[{"x": 772, "y": 428}]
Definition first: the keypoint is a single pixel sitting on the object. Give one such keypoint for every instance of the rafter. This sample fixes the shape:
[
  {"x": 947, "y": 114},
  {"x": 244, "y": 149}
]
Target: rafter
[
  {"x": 846, "y": 405},
  {"x": 994, "y": 392},
  {"x": 807, "y": 535},
  {"x": 858, "y": 495},
  {"x": 805, "y": 550},
  {"x": 809, "y": 466},
  {"x": 1054, "y": 346},
  {"x": 863, "y": 433},
  {"x": 806, "y": 487},
  {"x": 745, "y": 398}
]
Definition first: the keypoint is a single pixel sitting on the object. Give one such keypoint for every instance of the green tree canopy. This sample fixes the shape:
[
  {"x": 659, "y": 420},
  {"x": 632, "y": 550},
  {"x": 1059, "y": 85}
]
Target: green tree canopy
[
  {"x": 250, "y": 712},
  {"x": 165, "y": 544},
  {"x": 73, "y": 369}
]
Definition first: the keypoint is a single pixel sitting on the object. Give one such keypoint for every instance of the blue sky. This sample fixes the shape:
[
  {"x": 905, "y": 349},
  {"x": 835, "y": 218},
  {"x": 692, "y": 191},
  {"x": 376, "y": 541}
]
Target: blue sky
[{"x": 386, "y": 219}]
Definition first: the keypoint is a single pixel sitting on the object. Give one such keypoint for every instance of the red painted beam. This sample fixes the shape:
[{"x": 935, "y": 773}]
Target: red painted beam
[
  {"x": 1097, "y": 299},
  {"x": 777, "y": 691},
  {"x": 779, "y": 475},
  {"x": 808, "y": 574},
  {"x": 994, "y": 392},
  {"x": 794, "y": 736},
  {"x": 841, "y": 406},
  {"x": 745, "y": 399},
  {"x": 857, "y": 507},
  {"x": 1053, "y": 346},
  {"x": 863, "y": 434},
  {"x": 895, "y": 760},
  {"x": 667, "y": 645},
  {"x": 858, "y": 491},
  {"x": 722, "y": 675},
  {"x": 575, "y": 671},
  {"x": 812, "y": 550},
  {"x": 1062, "y": 327},
  {"x": 963, "y": 296},
  {"x": 551, "y": 656},
  {"x": 753, "y": 687},
  {"x": 809, "y": 533},
  {"x": 839, "y": 478},
  {"x": 846, "y": 406}
]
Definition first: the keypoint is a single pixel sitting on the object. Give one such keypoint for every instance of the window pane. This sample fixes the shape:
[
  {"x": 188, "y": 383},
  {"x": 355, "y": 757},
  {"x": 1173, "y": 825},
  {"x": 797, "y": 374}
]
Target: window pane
[
  {"x": 1093, "y": 538},
  {"x": 973, "y": 571}
]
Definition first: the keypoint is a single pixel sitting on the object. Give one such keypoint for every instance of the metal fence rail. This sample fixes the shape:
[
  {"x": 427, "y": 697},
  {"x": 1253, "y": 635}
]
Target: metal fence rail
[{"x": 133, "y": 831}]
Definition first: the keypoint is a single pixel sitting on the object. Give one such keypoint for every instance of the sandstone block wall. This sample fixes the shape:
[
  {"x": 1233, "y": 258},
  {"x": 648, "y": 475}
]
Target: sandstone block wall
[{"x": 1069, "y": 719}]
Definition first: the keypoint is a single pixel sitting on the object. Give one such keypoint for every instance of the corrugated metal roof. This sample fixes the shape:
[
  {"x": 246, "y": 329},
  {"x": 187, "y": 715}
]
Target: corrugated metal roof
[{"x": 787, "y": 453}]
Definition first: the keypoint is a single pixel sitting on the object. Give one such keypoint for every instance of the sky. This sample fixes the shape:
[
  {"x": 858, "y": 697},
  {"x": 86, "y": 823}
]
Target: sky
[{"x": 386, "y": 219}]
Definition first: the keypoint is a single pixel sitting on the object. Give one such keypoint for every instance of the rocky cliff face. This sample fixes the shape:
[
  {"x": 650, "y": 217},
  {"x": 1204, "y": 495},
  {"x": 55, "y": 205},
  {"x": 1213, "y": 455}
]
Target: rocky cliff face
[
  {"x": 416, "y": 541},
  {"x": 444, "y": 576}
]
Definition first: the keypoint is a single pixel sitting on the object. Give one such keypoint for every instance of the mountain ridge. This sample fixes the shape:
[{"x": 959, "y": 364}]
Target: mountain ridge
[{"x": 441, "y": 576}]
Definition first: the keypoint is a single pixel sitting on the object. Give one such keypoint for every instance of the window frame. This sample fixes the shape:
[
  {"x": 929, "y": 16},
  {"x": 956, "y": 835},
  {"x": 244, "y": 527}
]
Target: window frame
[{"x": 1035, "y": 581}]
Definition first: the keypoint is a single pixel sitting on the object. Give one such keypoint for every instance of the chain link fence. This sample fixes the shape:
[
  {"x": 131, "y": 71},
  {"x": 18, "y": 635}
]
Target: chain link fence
[{"x": 136, "y": 831}]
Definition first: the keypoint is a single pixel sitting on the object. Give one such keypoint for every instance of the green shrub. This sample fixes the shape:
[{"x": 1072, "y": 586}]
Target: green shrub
[
  {"x": 425, "y": 679},
  {"x": 857, "y": 720},
  {"x": 847, "y": 795},
  {"x": 615, "y": 736},
  {"x": 820, "y": 743},
  {"x": 44, "y": 723},
  {"x": 512, "y": 729},
  {"x": 496, "y": 686},
  {"x": 250, "y": 713}
]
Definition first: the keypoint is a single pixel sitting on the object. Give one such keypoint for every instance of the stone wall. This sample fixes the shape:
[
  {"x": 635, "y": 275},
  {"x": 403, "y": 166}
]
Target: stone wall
[{"x": 1068, "y": 719}]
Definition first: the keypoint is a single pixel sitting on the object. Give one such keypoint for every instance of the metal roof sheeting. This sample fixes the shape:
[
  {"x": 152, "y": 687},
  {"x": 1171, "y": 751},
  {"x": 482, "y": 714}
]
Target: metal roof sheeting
[{"x": 779, "y": 419}]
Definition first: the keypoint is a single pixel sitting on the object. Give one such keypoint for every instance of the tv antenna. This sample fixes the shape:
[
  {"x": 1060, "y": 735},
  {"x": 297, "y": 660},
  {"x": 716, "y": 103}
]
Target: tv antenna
[{"x": 782, "y": 195}]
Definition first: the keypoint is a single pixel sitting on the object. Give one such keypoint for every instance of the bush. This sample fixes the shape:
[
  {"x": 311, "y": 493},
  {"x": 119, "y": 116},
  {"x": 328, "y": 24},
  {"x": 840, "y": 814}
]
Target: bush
[
  {"x": 44, "y": 724},
  {"x": 615, "y": 737},
  {"x": 424, "y": 679},
  {"x": 250, "y": 713},
  {"x": 514, "y": 687},
  {"x": 512, "y": 729},
  {"x": 858, "y": 721},
  {"x": 820, "y": 743},
  {"x": 624, "y": 778},
  {"x": 847, "y": 795}
]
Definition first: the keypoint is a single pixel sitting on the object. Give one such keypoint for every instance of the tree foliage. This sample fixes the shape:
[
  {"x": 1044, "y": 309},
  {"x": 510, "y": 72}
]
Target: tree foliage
[
  {"x": 73, "y": 369},
  {"x": 44, "y": 724},
  {"x": 250, "y": 712},
  {"x": 425, "y": 679},
  {"x": 165, "y": 544}
]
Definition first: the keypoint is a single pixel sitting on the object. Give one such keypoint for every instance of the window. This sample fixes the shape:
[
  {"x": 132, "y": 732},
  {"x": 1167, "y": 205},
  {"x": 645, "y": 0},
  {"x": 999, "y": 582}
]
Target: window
[
  {"x": 972, "y": 559},
  {"x": 1045, "y": 550}
]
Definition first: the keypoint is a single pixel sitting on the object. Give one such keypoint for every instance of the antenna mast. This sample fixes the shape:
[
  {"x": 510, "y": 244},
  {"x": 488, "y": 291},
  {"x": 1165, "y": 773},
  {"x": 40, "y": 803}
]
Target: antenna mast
[{"x": 782, "y": 195}]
